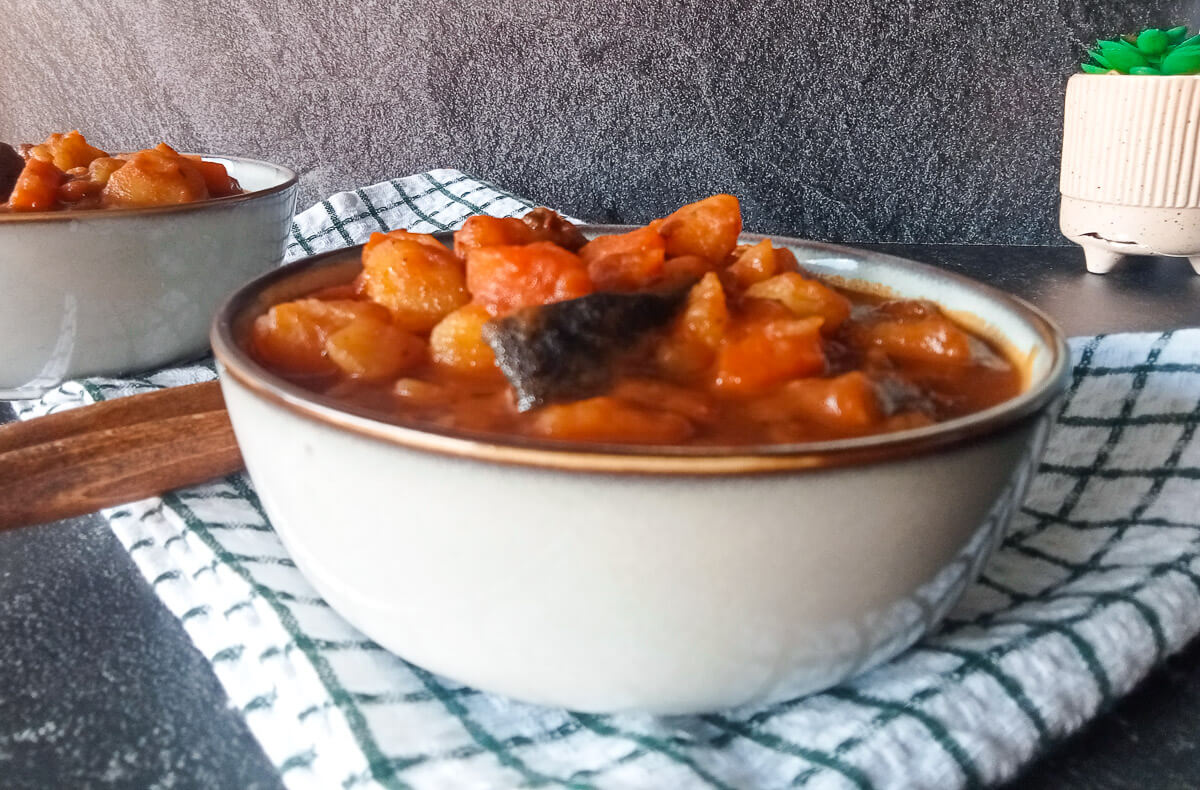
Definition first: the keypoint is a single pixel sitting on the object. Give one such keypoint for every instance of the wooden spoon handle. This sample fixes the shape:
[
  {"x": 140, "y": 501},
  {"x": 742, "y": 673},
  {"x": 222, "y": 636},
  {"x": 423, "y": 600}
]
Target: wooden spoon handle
[{"x": 81, "y": 460}]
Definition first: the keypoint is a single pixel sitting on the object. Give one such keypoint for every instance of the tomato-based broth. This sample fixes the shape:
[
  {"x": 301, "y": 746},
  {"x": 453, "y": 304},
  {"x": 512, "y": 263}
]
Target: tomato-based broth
[
  {"x": 67, "y": 172},
  {"x": 669, "y": 334}
]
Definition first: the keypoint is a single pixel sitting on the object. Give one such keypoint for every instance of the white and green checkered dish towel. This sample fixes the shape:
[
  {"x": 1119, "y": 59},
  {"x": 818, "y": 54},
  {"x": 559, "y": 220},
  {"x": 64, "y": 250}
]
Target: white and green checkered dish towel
[{"x": 1098, "y": 581}]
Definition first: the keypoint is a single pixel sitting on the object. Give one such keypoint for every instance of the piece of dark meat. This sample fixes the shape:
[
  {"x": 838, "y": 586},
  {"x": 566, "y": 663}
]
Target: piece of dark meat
[
  {"x": 567, "y": 350},
  {"x": 548, "y": 225},
  {"x": 11, "y": 165}
]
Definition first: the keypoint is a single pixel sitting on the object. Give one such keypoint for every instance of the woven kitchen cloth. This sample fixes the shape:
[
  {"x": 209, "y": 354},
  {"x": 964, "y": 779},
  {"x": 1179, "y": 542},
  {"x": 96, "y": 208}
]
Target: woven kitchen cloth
[{"x": 1097, "y": 581}]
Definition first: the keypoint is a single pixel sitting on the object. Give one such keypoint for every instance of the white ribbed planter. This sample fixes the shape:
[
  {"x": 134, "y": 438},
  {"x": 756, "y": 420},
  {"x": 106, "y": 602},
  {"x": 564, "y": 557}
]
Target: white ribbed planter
[{"x": 1130, "y": 167}]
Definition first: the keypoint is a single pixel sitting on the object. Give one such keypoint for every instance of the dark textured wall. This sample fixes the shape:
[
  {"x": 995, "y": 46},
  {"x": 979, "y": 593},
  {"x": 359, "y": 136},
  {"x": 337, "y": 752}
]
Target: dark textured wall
[{"x": 851, "y": 120}]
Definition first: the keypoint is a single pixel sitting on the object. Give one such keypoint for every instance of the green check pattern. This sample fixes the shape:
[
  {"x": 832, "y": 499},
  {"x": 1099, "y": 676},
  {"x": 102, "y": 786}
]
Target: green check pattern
[{"x": 1096, "y": 582}]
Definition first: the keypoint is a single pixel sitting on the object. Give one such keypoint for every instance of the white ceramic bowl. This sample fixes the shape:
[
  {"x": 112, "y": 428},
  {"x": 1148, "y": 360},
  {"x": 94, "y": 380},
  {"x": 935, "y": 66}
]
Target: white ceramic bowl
[
  {"x": 669, "y": 580},
  {"x": 114, "y": 290}
]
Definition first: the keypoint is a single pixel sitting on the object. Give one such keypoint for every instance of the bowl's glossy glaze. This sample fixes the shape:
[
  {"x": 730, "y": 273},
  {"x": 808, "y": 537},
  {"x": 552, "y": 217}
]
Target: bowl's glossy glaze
[
  {"x": 113, "y": 290},
  {"x": 670, "y": 580}
]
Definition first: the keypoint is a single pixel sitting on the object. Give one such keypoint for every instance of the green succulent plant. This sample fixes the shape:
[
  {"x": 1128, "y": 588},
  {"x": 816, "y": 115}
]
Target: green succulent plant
[{"x": 1152, "y": 51}]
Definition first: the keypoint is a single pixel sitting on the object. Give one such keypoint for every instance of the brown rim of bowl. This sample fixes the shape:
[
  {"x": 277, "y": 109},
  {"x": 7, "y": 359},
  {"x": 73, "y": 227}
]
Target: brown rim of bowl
[
  {"x": 198, "y": 205},
  {"x": 667, "y": 460}
]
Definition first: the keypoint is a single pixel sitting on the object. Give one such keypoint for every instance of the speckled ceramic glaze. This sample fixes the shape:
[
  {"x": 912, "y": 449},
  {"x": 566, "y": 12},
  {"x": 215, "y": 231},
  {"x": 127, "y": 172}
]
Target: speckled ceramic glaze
[
  {"x": 1130, "y": 167},
  {"x": 670, "y": 580},
  {"x": 108, "y": 291}
]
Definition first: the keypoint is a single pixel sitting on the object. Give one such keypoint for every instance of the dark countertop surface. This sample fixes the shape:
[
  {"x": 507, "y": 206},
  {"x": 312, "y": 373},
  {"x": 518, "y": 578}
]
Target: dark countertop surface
[{"x": 100, "y": 686}]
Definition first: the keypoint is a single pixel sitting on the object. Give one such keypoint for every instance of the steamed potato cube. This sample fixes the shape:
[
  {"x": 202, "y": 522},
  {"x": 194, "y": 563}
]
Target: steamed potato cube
[
  {"x": 753, "y": 265},
  {"x": 416, "y": 392},
  {"x": 697, "y": 406},
  {"x": 785, "y": 260},
  {"x": 457, "y": 341},
  {"x": 706, "y": 315},
  {"x": 37, "y": 187},
  {"x": 769, "y": 353},
  {"x": 102, "y": 167},
  {"x": 606, "y": 419},
  {"x": 708, "y": 228},
  {"x": 931, "y": 339},
  {"x": 418, "y": 282},
  {"x": 684, "y": 269},
  {"x": 804, "y": 298},
  {"x": 216, "y": 178},
  {"x": 370, "y": 348},
  {"x": 66, "y": 151},
  {"x": 377, "y": 239},
  {"x": 625, "y": 262},
  {"x": 691, "y": 346},
  {"x": 154, "y": 177},
  {"x": 847, "y": 404},
  {"x": 484, "y": 231},
  {"x": 291, "y": 336},
  {"x": 507, "y": 278}
]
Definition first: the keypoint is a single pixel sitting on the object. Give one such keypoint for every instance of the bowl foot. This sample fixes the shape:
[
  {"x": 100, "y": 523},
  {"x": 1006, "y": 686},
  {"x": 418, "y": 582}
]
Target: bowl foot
[
  {"x": 1195, "y": 261},
  {"x": 1100, "y": 260}
]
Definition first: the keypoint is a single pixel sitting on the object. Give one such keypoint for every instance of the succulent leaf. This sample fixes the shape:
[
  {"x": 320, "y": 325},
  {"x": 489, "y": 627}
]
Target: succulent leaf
[
  {"x": 1176, "y": 34},
  {"x": 1090, "y": 69},
  {"x": 1191, "y": 42},
  {"x": 1122, "y": 58},
  {"x": 1182, "y": 61},
  {"x": 1153, "y": 41},
  {"x": 1144, "y": 70}
]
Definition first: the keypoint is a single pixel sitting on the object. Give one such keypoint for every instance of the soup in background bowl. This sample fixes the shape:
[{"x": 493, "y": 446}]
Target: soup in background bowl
[{"x": 95, "y": 288}]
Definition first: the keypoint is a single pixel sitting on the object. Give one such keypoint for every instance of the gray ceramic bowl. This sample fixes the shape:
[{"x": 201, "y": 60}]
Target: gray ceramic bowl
[
  {"x": 115, "y": 290},
  {"x": 670, "y": 580}
]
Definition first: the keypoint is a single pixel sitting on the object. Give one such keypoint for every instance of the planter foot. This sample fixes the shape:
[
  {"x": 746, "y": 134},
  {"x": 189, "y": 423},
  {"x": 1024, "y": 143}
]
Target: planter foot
[
  {"x": 1195, "y": 261},
  {"x": 1100, "y": 260}
]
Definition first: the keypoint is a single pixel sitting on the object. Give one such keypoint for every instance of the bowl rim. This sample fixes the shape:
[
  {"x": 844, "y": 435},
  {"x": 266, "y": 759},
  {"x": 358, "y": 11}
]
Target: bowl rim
[
  {"x": 290, "y": 180},
  {"x": 236, "y": 365}
]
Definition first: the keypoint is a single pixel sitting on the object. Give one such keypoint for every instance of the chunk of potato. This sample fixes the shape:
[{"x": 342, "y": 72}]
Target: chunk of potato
[
  {"x": 101, "y": 168},
  {"x": 66, "y": 150},
  {"x": 755, "y": 264},
  {"x": 606, "y": 419},
  {"x": 216, "y": 178},
  {"x": 377, "y": 239},
  {"x": 416, "y": 392},
  {"x": 691, "y": 346},
  {"x": 506, "y": 278},
  {"x": 684, "y": 269},
  {"x": 371, "y": 348},
  {"x": 625, "y": 262},
  {"x": 457, "y": 341},
  {"x": 768, "y": 353},
  {"x": 785, "y": 260},
  {"x": 708, "y": 228},
  {"x": 933, "y": 338},
  {"x": 154, "y": 177},
  {"x": 291, "y": 336},
  {"x": 420, "y": 283},
  {"x": 846, "y": 405},
  {"x": 804, "y": 297},
  {"x": 484, "y": 231},
  {"x": 37, "y": 186},
  {"x": 697, "y": 406}
]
